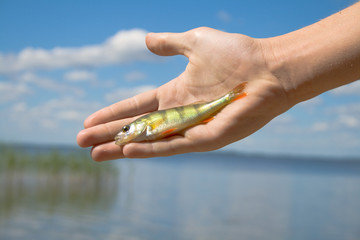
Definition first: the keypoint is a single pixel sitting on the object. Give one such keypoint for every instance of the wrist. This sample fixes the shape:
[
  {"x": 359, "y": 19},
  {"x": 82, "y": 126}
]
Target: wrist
[
  {"x": 288, "y": 59},
  {"x": 282, "y": 55},
  {"x": 317, "y": 58}
]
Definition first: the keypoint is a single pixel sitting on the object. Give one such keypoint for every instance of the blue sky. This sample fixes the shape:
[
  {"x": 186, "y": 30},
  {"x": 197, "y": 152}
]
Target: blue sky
[{"x": 62, "y": 60}]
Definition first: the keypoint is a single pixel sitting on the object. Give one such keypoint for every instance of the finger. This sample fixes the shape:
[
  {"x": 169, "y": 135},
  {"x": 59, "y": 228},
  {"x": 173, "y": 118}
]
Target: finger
[
  {"x": 106, "y": 151},
  {"x": 139, "y": 104},
  {"x": 100, "y": 133},
  {"x": 165, "y": 147},
  {"x": 168, "y": 44},
  {"x": 196, "y": 139}
]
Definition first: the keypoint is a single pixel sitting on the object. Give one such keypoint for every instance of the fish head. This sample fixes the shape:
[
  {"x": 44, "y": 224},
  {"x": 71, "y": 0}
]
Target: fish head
[{"x": 131, "y": 132}]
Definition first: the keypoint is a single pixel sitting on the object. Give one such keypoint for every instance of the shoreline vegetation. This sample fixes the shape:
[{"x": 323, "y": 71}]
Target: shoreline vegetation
[
  {"x": 53, "y": 179},
  {"x": 34, "y": 148},
  {"x": 59, "y": 192}
]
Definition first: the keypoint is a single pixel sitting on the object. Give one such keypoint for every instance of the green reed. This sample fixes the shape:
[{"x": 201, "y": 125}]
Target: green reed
[
  {"x": 55, "y": 181},
  {"x": 53, "y": 161}
]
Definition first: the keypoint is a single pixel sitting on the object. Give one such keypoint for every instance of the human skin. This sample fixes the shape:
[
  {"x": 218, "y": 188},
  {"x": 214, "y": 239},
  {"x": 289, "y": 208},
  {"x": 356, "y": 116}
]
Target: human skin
[{"x": 281, "y": 72}]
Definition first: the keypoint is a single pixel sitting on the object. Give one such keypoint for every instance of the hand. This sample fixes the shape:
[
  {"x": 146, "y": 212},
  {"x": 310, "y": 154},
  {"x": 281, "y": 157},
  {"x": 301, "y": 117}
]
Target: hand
[
  {"x": 218, "y": 62},
  {"x": 280, "y": 71}
]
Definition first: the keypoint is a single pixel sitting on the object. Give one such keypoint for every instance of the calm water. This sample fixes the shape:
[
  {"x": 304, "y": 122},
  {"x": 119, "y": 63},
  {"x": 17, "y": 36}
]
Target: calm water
[{"x": 195, "y": 196}]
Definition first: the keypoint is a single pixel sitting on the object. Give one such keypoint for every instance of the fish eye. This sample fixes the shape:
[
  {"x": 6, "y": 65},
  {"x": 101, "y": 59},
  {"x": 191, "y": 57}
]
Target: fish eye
[{"x": 126, "y": 128}]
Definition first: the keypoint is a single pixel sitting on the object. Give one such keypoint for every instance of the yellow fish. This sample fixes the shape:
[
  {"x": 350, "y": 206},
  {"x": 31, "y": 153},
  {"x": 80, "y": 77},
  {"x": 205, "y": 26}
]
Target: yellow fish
[{"x": 160, "y": 124}]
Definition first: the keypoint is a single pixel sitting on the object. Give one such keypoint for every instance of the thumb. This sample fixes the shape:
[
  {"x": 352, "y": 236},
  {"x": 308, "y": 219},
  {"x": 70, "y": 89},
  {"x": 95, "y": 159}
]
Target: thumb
[{"x": 168, "y": 44}]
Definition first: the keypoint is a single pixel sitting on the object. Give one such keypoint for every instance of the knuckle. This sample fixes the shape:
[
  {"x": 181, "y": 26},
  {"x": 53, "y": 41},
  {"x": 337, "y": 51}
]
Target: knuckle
[{"x": 197, "y": 35}]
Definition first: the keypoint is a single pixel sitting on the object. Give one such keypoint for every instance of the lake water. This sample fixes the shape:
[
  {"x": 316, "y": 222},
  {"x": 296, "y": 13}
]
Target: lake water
[{"x": 192, "y": 196}]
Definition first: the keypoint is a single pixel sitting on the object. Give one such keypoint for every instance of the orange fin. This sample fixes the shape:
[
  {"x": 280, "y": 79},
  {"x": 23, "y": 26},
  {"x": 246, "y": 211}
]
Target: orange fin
[
  {"x": 240, "y": 87},
  {"x": 208, "y": 119},
  {"x": 168, "y": 131},
  {"x": 244, "y": 94},
  {"x": 238, "y": 92}
]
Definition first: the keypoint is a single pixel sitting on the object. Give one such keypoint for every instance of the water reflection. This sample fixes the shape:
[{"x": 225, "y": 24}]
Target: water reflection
[
  {"x": 55, "y": 183},
  {"x": 194, "y": 196},
  {"x": 204, "y": 196}
]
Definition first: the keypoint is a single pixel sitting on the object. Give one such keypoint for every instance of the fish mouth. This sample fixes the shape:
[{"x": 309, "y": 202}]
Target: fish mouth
[{"x": 118, "y": 140}]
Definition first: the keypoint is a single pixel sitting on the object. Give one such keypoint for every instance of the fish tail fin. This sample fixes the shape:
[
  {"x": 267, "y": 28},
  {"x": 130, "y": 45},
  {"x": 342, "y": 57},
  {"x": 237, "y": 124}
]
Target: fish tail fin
[{"x": 237, "y": 92}]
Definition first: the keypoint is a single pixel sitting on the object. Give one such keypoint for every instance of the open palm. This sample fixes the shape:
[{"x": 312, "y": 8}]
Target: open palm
[{"x": 218, "y": 62}]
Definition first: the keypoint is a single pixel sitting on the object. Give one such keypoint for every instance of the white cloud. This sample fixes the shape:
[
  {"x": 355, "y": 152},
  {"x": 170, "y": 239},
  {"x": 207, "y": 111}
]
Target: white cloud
[
  {"x": 350, "y": 89},
  {"x": 349, "y": 121},
  {"x": 320, "y": 126},
  {"x": 12, "y": 91},
  {"x": 348, "y": 109},
  {"x": 19, "y": 107},
  {"x": 123, "y": 93},
  {"x": 123, "y": 47},
  {"x": 79, "y": 76},
  {"x": 51, "y": 114},
  {"x": 134, "y": 76},
  {"x": 54, "y": 121},
  {"x": 341, "y": 118},
  {"x": 70, "y": 115},
  {"x": 223, "y": 16},
  {"x": 347, "y": 115},
  {"x": 48, "y": 83}
]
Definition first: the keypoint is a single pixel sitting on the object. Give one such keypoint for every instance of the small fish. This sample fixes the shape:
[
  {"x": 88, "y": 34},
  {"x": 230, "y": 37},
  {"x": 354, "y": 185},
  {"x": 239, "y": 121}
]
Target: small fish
[{"x": 163, "y": 123}]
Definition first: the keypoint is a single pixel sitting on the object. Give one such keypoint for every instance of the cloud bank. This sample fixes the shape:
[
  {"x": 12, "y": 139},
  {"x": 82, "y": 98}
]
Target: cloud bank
[
  {"x": 349, "y": 89},
  {"x": 79, "y": 76},
  {"x": 124, "y": 93},
  {"x": 123, "y": 47}
]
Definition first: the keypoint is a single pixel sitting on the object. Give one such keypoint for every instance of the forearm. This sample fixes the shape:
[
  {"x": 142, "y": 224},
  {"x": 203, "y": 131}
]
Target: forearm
[{"x": 319, "y": 57}]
